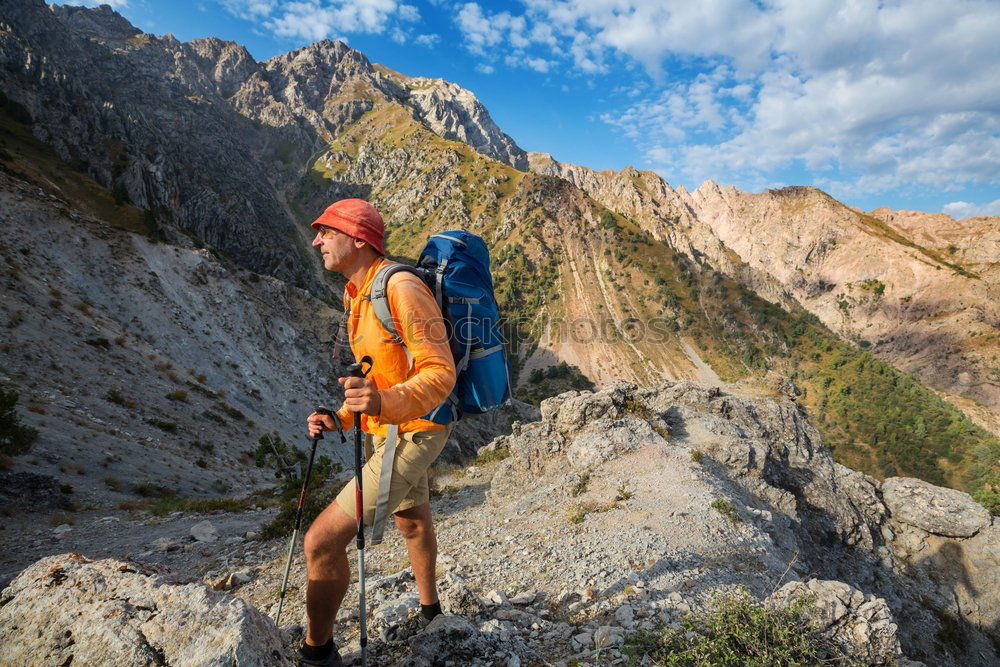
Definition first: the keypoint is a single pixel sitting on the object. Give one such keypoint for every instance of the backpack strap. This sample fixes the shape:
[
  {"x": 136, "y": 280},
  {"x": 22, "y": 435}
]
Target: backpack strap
[
  {"x": 379, "y": 297},
  {"x": 384, "y": 484}
]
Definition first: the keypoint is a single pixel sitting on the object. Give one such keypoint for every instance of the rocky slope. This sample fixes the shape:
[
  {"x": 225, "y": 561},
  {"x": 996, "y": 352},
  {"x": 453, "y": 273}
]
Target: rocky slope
[
  {"x": 617, "y": 511},
  {"x": 149, "y": 368},
  {"x": 915, "y": 287}
]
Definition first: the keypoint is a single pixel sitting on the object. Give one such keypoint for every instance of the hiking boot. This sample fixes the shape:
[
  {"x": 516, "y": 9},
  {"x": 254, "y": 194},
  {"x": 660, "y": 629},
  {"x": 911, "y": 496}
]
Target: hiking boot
[{"x": 332, "y": 659}]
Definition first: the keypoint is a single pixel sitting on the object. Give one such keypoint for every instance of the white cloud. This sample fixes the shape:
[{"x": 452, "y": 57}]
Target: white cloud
[
  {"x": 483, "y": 68},
  {"x": 398, "y": 35},
  {"x": 963, "y": 209},
  {"x": 864, "y": 94},
  {"x": 427, "y": 40},
  {"x": 409, "y": 13},
  {"x": 519, "y": 59},
  {"x": 249, "y": 9},
  {"x": 321, "y": 19},
  {"x": 483, "y": 32}
]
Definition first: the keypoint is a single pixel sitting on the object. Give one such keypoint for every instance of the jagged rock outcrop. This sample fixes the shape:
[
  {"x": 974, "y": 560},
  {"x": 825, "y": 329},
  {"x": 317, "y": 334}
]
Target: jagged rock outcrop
[
  {"x": 66, "y": 609},
  {"x": 934, "y": 510},
  {"x": 790, "y": 503},
  {"x": 862, "y": 625},
  {"x": 456, "y": 113}
]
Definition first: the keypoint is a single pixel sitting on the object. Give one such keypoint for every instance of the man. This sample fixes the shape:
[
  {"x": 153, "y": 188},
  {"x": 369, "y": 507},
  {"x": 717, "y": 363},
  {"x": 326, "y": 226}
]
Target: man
[{"x": 349, "y": 236}]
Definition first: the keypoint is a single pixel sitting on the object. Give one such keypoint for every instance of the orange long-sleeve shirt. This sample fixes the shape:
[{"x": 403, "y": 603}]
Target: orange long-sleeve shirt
[{"x": 406, "y": 394}]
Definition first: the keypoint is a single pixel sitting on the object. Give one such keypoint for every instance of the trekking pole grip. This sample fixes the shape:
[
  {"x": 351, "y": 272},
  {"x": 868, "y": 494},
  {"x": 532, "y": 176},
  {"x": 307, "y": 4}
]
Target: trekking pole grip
[
  {"x": 358, "y": 370},
  {"x": 320, "y": 410}
]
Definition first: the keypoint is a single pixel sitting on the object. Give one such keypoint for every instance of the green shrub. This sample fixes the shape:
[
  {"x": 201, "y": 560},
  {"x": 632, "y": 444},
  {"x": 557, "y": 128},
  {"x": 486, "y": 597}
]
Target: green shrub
[
  {"x": 726, "y": 509},
  {"x": 989, "y": 499},
  {"x": 232, "y": 412},
  {"x": 738, "y": 631},
  {"x": 169, "y": 427},
  {"x": 697, "y": 456},
  {"x": 99, "y": 341},
  {"x": 113, "y": 483},
  {"x": 116, "y": 397},
  {"x": 148, "y": 489},
  {"x": 169, "y": 502},
  {"x": 15, "y": 437},
  {"x": 289, "y": 463}
]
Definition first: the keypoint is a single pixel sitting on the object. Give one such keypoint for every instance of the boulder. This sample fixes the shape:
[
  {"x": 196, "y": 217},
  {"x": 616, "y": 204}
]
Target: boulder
[
  {"x": 68, "y": 609},
  {"x": 204, "y": 531},
  {"x": 605, "y": 439},
  {"x": 934, "y": 509},
  {"x": 859, "y": 623}
]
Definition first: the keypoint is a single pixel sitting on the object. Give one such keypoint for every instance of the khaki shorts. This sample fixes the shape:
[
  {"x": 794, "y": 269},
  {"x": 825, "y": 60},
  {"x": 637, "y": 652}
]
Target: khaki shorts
[{"x": 415, "y": 452}]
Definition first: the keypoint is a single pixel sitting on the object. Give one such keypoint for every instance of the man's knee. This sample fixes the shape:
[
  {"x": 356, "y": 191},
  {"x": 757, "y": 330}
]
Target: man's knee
[
  {"x": 329, "y": 533},
  {"x": 414, "y": 523}
]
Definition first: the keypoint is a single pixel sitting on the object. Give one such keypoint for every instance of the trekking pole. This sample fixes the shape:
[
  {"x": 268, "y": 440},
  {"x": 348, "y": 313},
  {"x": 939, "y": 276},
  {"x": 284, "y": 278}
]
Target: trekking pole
[
  {"x": 298, "y": 514},
  {"x": 356, "y": 370}
]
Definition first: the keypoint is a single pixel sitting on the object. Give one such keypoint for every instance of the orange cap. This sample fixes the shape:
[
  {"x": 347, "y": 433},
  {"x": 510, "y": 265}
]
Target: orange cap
[{"x": 357, "y": 218}]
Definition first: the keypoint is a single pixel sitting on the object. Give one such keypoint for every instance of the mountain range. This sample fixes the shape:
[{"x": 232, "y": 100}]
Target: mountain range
[
  {"x": 616, "y": 274},
  {"x": 167, "y": 328}
]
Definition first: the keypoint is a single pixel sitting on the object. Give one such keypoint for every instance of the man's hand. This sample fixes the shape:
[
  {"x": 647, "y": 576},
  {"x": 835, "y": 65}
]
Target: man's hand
[
  {"x": 361, "y": 395},
  {"x": 318, "y": 423}
]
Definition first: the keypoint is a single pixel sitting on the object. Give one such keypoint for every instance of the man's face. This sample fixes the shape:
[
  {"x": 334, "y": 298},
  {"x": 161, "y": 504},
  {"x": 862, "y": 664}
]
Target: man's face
[{"x": 336, "y": 247}]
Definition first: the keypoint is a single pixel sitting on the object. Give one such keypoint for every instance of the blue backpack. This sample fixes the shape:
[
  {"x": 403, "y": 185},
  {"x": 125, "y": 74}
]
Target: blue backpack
[{"x": 456, "y": 267}]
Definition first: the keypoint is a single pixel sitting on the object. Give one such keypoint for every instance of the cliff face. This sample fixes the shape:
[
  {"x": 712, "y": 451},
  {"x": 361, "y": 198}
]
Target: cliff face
[
  {"x": 146, "y": 116},
  {"x": 199, "y": 133},
  {"x": 914, "y": 287}
]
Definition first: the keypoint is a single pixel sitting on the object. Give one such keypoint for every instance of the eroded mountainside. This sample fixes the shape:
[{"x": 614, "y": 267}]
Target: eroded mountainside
[
  {"x": 914, "y": 288},
  {"x": 162, "y": 311}
]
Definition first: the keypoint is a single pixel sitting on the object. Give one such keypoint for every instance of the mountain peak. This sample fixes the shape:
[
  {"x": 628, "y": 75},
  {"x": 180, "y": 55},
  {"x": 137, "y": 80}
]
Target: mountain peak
[
  {"x": 102, "y": 23},
  {"x": 456, "y": 113}
]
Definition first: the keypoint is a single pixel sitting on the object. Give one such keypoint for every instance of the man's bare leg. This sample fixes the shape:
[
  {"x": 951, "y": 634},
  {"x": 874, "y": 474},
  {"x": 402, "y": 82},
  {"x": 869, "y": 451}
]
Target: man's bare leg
[
  {"x": 417, "y": 529},
  {"x": 329, "y": 575}
]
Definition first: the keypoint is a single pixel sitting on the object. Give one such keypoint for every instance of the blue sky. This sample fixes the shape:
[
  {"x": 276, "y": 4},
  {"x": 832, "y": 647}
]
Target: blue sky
[{"x": 891, "y": 103}]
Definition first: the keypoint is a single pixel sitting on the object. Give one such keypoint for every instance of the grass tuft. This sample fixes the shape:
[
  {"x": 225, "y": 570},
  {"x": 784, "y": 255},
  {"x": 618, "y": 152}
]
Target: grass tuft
[{"x": 491, "y": 456}]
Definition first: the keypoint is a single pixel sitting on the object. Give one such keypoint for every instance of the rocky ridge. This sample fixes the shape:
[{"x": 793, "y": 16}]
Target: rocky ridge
[
  {"x": 913, "y": 286},
  {"x": 627, "y": 509}
]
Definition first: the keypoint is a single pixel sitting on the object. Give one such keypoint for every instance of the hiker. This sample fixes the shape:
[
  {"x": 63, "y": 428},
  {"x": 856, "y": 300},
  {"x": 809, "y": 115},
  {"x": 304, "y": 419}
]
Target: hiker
[{"x": 397, "y": 391}]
